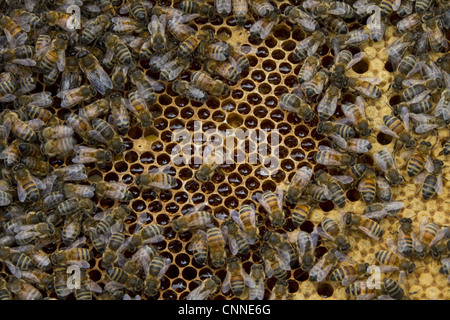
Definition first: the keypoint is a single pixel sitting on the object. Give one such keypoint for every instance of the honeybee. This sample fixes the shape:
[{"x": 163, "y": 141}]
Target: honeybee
[
  {"x": 114, "y": 190},
  {"x": 59, "y": 147},
  {"x": 204, "y": 81},
  {"x": 237, "y": 278},
  {"x": 301, "y": 178},
  {"x": 118, "y": 48},
  {"x": 246, "y": 219},
  {"x": 23, "y": 290},
  {"x": 309, "y": 46},
  {"x": 94, "y": 110},
  {"x": 114, "y": 242},
  {"x": 119, "y": 113},
  {"x": 368, "y": 226},
  {"x": 6, "y": 196},
  {"x": 137, "y": 9},
  {"x": 174, "y": 68},
  {"x": 407, "y": 241},
  {"x": 296, "y": 16},
  {"x": 72, "y": 255},
  {"x": 362, "y": 290},
  {"x": 72, "y": 228},
  {"x": 187, "y": 90},
  {"x": 385, "y": 161},
  {"x": 188, "y": 46},
  {"x": 156, "y": 270},
  {"x": 21, "y": 129},
  {"x": 108, "y": 219},
  {"x": 120, "y": 279},
  {"x": 192, "y": 6},
  {"x": 38, "y": 278},
  {"x": 126, "y": 25},
  {"x": 15, "y": 259},
  {"x": 334, "y": 186},
  {"x": 143, "y": 234},
  {"x": 445, "y": 268},
  {"x": 280, "y": 291},
  {"x": 206, "y": 289},
  {"x": 327, "y": 105},
  {"x": 192, "y": 220},
  {"x": 338, "y": 132},
  {"x": 33, "y": 232},
  {"x": 282, "y": 244},
  {"x": 330, "y": 230},
  {"x": 88, "y": 155},
  {"x": 156, "y": 179},
  {"x": 35, "y": 112},
  {"x": 156, "y": 27},
  {"x": 301, "y": 212},
  {"x": 273, "y": 204},
  {"x": 418, "y": 159},
  {"x": 13, "y": 30},
  {"x": 409, "y": 23},
  {"x": 392, "y": 260},
  {"x": 105, "y": 133},
  {"x": 73, "y": 205},
  {"x": 199, "y": 247},
  {"x": 53, "y": 55},
  {"x": 367, "y": 186},
  {"x": 140, "y": 260},
  {"x": 17, "y": 55},
  {"x": 145, "y": 85},
  {"x": 307, "y": 244},
  {"x": 7, "y": 87},
  {"x": 28, "y": 186},
  {"x": 356, "y": 114},
  {"x": 262, "y": 28},
  {"x": 274, "y": 265},
  {"x": 94, "y": 28},
  {"x": 223, "y": 7},
  {"x": 436, "y": 37},
  {"x": 376, "y": 26},
  {"x": 294, "y": 102},
  {"x": 119, "y": 76},
  {"x": 237, "y": 240},
  {"x": 424, "y": 123},
  {"x": 72, "y": 97},
  {"x": 61, "y": 20},
  {"x": 137, "y": 104},
  {"x": 330, "y": 157},
  {"x": 224, "y": 69},
  {"x": 323, "y": 267},
  {"x": 94, "y": 72},
  {"x": 348, "y": 274},
  {"x": 78, "y": 190},
  {"x": 87, "y": 286},
  {"x": 259, "y": 277},
  {"x": 430, "y": 234},
  {"x": 213, "y": 158},
  {"x": 262, "y": 7},
  {"x": 216, "y": 246},
  {"x": 309, "y": 68},
  {"x": 179, "y": 30},
  {"x": 366, "y": 86},
  {"x": 418, "y": 89}
]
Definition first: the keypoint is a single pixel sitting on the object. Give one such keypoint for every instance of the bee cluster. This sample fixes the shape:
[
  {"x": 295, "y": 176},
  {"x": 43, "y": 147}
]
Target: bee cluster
[{"x": 89, "y": 104}]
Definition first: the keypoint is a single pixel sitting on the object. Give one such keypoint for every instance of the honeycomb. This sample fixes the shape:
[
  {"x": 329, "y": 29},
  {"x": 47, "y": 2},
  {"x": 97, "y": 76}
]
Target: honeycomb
[{"x": 253, "y": 103}]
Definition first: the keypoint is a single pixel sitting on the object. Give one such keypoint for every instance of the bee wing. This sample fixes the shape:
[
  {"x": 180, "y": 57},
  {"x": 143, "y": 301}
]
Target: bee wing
[
  {"x": 297, "y": 178},
  {"x": 226, "y": 285},
  {"x": 248, "y": 281},
  {"x": 439, "y": 184},
  {"x": 80, "y": 263},
  {"x": 341, "y": 142},
  {"x": 61, "y": 62},
  {"x": 439, "y": 236},
  {"x": 75, "y": 172},
  {"x": 348, "y": 280},
  {"x": 417, "y": 67},
  {"x": 344, "y": 179},
  {"x": 113, "y": 286},
  {"x": 319, "y": 231},
  {"x": 368, "y": 232},
  {"x": 94, "y": 287},
  {"x": 198, "y": 293},
  {"x": 356, "y": 58},
  {"x": 420, "y": 178},
  {"x": 21, "y": 194}
]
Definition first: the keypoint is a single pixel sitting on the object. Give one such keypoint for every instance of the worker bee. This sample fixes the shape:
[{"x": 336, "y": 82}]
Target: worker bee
[
  {"x": 432, "y": 182},
  {"x": 273, "y": 204},
  {"x": 301, "y": 212},
  {"x": 119, "y": 76},
  {"x": 306, "y": 245},
  {"x": 329, "y": 229},
  {"x": 368, "y": 185},
  {"x": 392, "y": 260},
  {"x": 78, "y": 190},
  {"x": 301, "y": 178},
  {"x": 195, "y": 7},
  {"x": 139, "y": 261},
  {"x": 280, "y": 291},
  {"x": 115, "y": 240},
  {"x": 119, "y": 113},
  {"x": 330, "y": 157},
  {"x": 158, "y": 267},
  {"x": 126, "y": 25},
  {"x": 23, "y": 290},
  {"x": 445, "y": 268},
  {"x": 334, "y": 187},
  {"x": 72, "y": 227},
  {"x": 385, "y": 161},
  {"x": 187, "y": 90},
  {"x": 367, "y": 86},
  {"x": 384, "y": 190},
  {"x": 348, "y": 274},
  {"x": 72, "y": 97},
  {"x": 407, "y": 241},
  {"x": 38, "y": 278},
  {"x": 7, "y": 87},
  {"x": 138, "y": 106},
  {"x": 224, "y": 69},
  {"x": 259, "y": 277},
  {"x": 15, "y": 259},
  {"x": 94, "y": 28},
  {"x": 327, "y": 105},
  {"x": 237, "y": 241},
  {"x": 282, "y": 244},
  {"x": 156, "y": 27},
  {"x": 368, "y": 226},
  {"x": 11, "y": 154},
  {"x": 59, "y": 147},
  {"x": 216, "y": 246},
  {"x": 73, "y": 205},
  {"x": 61, "y": 20},
  {"x": 362, "y": 290},
  {"x": 376, "y": 26},
  {"x": 178, "y": 29},
  {"x": 52, "y": 55},
  {"x": 309, "y": 46},
  {"x": 35, "y": 112},
  {"x": 338, "y": 132},
  {"x": 120, "y": 279},
  {"x": 174, "y": 68},
  {"x": 262, "y": 7},
  {"x": 262, "y": 28},
  {"x": 23, "y": 130},
  {"x": 206, "y": 289},
  {"x": 418, "y": 159},
  {"x": 199, "y": 247},
  {"x": 246, "y": 219},
  {"x": 6, "y": 197},
  {"x": 418, "y": 89},
  {"x": 213, "y": 158},
  {"x": 105, "y": 133},
  {"x": 296, "y": 16},
  {"x": 236, "y": 278},
  {"x": 156, "y": 179},
  {"x": 94, "y": 110},
  {"x": 137, "y": 9},
  {"x": 223, "y": 7},
  {"x": 13, "y": 30},
  {"x": 118, "y": 48},
  {"x": 94, "y": 72},
  {"x": 111, "y": 217},
  {"x": 143, "y": 234},
  {"x": 274, "y": 265},
  {"x": 323, "y": 267},
  {"x": 309, "y": 68},
  {"x": 294, "y": 102},
  {"x": 88, "y": 155},
  {"x": 436, "y": 37},
  {"x": 204, "y": 81},
  {"x": 194, "y": 219},
  {"x": 430, "y": 234},
  {"x": 28, "y": 186},
  {"x": 344, "y": 61},
  {"x": 114, "y": 190},
  {"x": 73, "y": 255},
  {"x": 32, "y": 233},
  {"x": 145, "y": 85}
]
